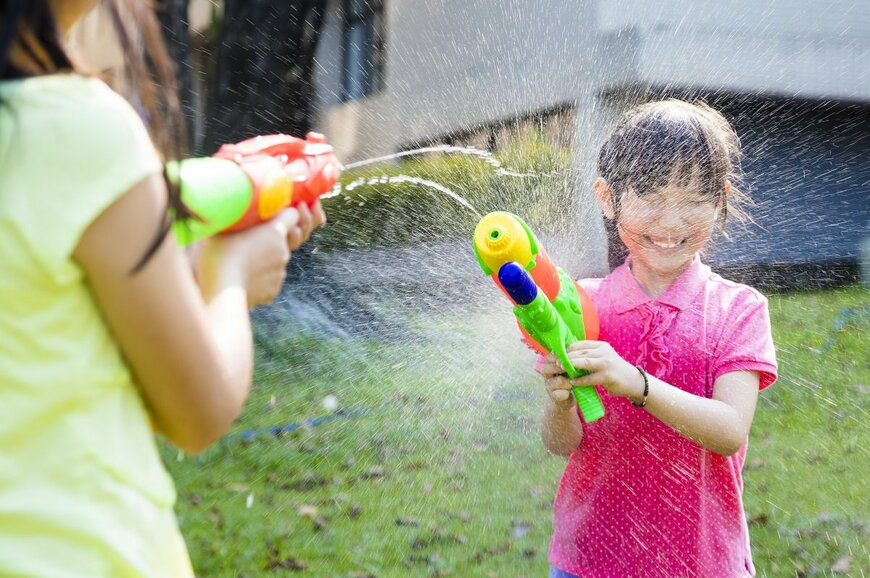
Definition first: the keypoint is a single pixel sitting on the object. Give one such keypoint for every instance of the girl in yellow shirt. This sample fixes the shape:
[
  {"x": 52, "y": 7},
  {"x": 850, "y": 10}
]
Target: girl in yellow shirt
[{"x": 106, "y": 327}]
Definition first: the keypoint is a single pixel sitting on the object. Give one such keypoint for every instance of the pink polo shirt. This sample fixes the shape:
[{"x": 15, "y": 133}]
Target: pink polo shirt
[{"x": 637, "y": 498}]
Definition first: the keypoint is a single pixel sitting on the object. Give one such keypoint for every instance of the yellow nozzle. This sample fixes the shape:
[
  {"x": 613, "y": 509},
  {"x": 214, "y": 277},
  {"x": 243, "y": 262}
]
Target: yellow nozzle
[
  {"x": 501, "y": 237},
  {"x": 275, "y": 194}
]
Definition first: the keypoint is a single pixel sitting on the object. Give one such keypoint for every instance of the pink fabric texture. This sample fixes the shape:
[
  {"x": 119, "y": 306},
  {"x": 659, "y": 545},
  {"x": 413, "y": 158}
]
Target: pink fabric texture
[{"x": 637, "y": 498}]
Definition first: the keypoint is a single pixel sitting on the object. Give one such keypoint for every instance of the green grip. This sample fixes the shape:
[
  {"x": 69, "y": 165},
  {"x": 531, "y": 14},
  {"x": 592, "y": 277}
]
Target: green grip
[
  {"x": 589, "y": 402},
  {"x": 216, "y": 190},
  {"x": 542, "y": 321},
  {"x": 586, "y": 395}
]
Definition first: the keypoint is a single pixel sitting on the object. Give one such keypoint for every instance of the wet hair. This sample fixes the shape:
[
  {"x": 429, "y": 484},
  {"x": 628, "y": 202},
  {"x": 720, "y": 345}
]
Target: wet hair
[
  {"x": 30, "y": 24},
  {"x": 675, "y": 142}
]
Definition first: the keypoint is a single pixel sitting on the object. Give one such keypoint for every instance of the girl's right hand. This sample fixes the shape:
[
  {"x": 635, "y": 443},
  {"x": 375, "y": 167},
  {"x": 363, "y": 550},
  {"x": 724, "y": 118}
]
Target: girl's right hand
[
  {"x": 557, "y": 383},
  {"x": 561, "y": 430},
  {"x": 254, "y": 259}
]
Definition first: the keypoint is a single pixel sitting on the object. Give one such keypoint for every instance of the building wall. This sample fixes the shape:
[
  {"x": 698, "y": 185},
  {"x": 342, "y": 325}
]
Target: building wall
[
  {"x": 452, "y": 64},
  {"x": 793, "y": 48},
  {"x": 791, "y": 74},
  {"x": 807, "y": 165}
]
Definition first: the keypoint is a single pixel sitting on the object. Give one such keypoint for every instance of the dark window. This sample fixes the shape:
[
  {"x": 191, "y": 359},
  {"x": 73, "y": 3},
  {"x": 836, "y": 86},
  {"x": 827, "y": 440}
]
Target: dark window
[{"x": 363, "y": 48}]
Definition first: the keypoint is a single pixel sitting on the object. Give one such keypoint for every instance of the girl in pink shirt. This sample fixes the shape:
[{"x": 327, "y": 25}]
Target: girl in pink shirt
[{"x": 654, "y": 487}]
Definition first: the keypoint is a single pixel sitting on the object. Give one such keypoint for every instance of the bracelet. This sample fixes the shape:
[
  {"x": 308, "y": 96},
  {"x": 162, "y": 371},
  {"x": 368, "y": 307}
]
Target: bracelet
[{"x": 645, "y": 388}]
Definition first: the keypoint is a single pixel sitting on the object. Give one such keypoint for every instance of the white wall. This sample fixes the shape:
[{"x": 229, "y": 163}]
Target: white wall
[
  {"x": 452, "y": 64},
  {"x": 798, "y": 48}
]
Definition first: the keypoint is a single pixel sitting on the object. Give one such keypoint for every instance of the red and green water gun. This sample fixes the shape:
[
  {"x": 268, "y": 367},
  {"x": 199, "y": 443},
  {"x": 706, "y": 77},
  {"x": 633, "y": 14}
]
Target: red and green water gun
[
  {"x": 250, "y": 182},
  {"x": 552, "y": 310}
]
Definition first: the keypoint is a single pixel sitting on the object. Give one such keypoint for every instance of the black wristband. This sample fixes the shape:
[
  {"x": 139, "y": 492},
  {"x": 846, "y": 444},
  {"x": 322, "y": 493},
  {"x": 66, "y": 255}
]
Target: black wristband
[{"x": 645, "y": 388}]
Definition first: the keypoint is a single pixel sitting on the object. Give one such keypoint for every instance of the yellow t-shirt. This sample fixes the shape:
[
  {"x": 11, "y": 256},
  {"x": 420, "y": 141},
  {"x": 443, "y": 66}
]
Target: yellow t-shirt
[{"x": 82, "y": 489}]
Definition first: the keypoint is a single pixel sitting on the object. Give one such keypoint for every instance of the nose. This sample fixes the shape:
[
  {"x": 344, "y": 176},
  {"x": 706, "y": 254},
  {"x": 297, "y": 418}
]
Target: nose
[{"x": 671, "y": 216}]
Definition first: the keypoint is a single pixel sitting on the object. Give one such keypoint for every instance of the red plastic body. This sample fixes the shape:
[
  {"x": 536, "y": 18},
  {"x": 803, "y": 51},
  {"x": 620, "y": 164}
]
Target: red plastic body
[{"x": 310, "y": 164}]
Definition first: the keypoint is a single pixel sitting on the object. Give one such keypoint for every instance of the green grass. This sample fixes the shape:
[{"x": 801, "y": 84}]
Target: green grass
[
  {"x": 807, "y": 493},
  {"x": 444, "y": 474}
]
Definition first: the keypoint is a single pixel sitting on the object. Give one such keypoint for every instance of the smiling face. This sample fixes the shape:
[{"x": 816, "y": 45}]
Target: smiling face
[
  {"x": 667, "y": 170},
  {"x": 663, "y": 229}
]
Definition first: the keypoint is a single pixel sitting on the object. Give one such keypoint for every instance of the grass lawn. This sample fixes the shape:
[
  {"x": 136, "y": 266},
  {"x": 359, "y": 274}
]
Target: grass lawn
[
  {"x": 807, "y": 494},
  {"x": 434, "y": 467}
]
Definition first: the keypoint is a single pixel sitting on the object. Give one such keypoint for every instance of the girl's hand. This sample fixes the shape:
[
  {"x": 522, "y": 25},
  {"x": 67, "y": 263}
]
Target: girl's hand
[
  {"x": 254, "y": 259},
  {"x": 561, "y": 430},
  {"x": 606, "y": 368},
  {"x": 557, "y": 383},
  {"x": 309, "y": 219}
]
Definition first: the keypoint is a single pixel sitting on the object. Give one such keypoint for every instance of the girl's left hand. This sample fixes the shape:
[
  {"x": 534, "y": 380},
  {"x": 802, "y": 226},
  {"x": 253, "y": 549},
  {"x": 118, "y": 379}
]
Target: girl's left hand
[{"x": 606, "y": 368}]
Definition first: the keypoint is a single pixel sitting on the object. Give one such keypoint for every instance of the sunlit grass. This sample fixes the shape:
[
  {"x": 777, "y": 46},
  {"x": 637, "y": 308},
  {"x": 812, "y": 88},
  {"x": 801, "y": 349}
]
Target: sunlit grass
[
  {"x": 807, "y": 469},
  {"x": 437, "y": 468}
]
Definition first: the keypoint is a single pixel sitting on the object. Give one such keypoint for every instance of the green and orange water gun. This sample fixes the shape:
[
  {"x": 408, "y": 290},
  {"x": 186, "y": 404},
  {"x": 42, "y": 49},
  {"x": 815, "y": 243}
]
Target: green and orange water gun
[
  {"x": 250, "y": 182},
  {"x": 552, "y": 310}
]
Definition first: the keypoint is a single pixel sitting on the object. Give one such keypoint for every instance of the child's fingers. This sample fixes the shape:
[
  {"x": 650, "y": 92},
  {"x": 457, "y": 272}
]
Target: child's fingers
[
  {"x": 295, "y": 238},
  {"x": 305, "y": 218},
  {"x": 318, "y": 214},
  {"x": 552, "y": 369},
  {"x": 286, "y": 220},
  {"x": 590, "y": 347},
  {"x": 586, "y": 360},
  {"x": 588, "y": 379},
  {"x": 585, "y": 345},
  {"x": 558, "y": 388},
  {"x": 298, "y": 235}
]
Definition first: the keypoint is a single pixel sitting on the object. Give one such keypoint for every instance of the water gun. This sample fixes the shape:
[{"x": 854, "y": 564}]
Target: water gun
[
  {"x": 552, "y": 310},
  {"x": 250, "y": 182}
]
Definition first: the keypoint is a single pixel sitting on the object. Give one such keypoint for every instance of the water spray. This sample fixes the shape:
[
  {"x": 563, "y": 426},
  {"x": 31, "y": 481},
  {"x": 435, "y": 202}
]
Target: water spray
[
  {"x": 486, "y": 156},
  {"x": 247, "y": 183}
]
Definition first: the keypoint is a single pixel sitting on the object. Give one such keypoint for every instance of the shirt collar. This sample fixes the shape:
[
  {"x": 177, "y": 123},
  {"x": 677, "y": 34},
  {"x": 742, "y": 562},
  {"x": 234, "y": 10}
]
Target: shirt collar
[{"x": 679, "y": 295}]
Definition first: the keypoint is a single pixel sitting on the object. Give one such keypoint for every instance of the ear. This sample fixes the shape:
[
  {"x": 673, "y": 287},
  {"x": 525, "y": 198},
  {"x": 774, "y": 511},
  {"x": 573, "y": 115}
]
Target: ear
[
  {"x": 604, "y": 196},
  {"x": 722, "y": 205}
]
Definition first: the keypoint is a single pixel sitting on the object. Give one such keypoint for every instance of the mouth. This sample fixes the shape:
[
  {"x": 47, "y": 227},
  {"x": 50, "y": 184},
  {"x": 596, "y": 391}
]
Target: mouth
[{"x": 668, "y": 244}]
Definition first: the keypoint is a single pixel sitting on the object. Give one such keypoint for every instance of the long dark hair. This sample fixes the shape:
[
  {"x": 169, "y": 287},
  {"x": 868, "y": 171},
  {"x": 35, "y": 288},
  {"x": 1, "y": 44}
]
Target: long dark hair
[{"x": 30, "y": 24}]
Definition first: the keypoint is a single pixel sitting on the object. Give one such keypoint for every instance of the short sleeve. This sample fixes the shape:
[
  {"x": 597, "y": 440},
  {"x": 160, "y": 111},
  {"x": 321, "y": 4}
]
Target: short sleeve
[
  {"x": 746, "y": 344},
  {"x": 79, "y": 147}
]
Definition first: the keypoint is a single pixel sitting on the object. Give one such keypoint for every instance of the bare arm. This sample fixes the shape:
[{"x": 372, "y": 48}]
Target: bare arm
[
  {"x": 720, "y": 424},
  {"x": 190, "y": 350}
]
